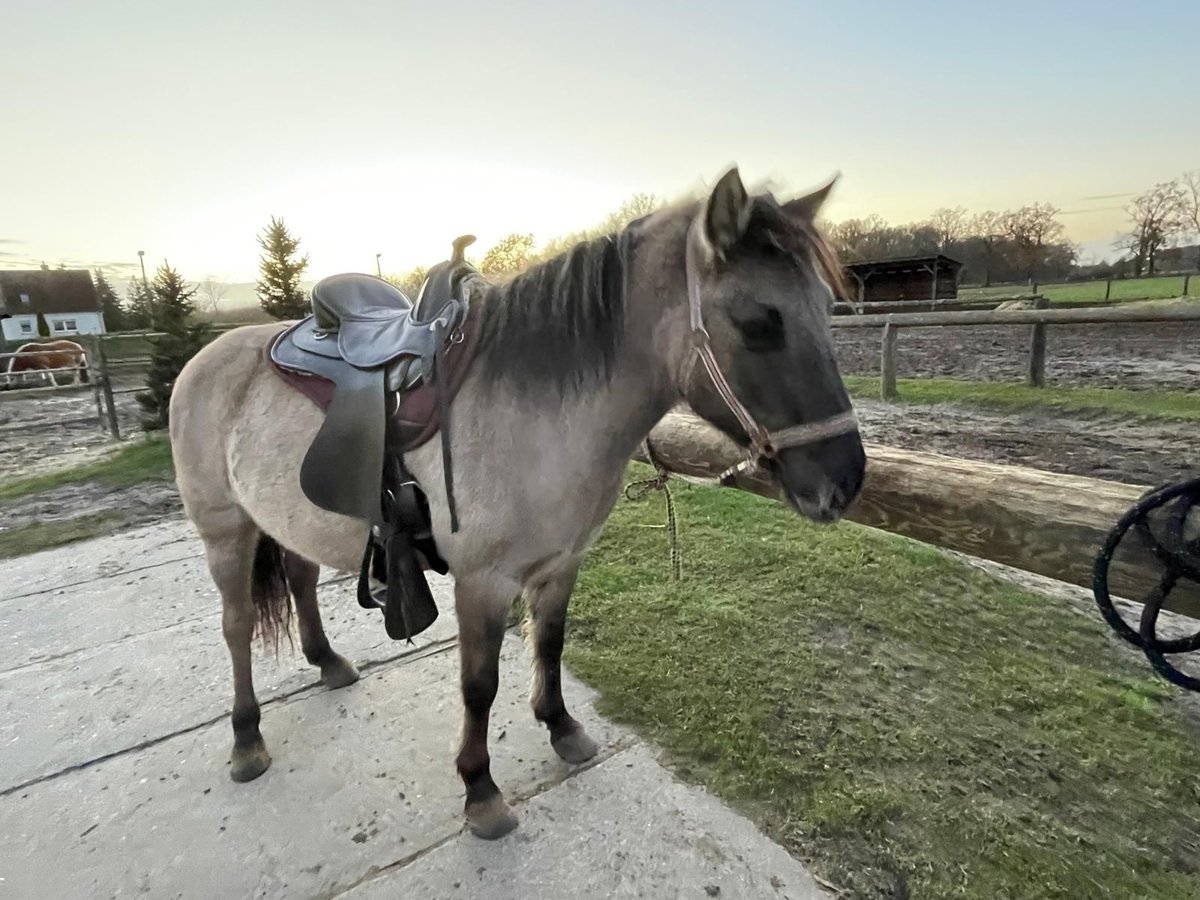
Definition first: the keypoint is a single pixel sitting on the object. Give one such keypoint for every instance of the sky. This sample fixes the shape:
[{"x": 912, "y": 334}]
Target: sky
[{"x": 180, "y": 128}]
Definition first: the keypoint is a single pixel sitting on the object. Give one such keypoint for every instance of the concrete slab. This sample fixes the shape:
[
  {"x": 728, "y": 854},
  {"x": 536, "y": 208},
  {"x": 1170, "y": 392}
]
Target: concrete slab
[
  {"x": 624, "y": 828},
  {"x": 79, "y": 706},
  {"x": 114, "y": 746},
  {"x": 362, "y": 778},
  {"x": 138, "y": 548}
]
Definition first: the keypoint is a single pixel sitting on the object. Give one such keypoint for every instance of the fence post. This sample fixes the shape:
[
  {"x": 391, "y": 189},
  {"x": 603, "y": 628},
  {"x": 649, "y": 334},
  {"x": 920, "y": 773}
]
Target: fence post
[
  {"x": 1107, "y": 289},
  {"x": 887, "y": 370},
  {"x": 110, "y": 406},
  {"x": 1037, "y": 347},
  {"x": 1186, "y": 281}
]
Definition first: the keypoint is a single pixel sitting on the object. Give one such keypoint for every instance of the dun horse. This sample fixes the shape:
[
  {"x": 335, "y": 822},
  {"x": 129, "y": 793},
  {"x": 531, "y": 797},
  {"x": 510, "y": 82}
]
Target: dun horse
[
  {"x": 45, "y": 358},
  {"x": 578, "y": 359}
]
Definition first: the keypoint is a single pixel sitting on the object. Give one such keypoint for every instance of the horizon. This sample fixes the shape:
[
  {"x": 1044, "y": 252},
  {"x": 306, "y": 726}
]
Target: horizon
[{"x": 365, "y": 129}]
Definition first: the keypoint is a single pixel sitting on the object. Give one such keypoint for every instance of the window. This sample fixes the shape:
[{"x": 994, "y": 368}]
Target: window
[
  {"x": 65, "y": 326},
  {"x": 26, "y": 328},
  {"x": 25, "y": 301}
]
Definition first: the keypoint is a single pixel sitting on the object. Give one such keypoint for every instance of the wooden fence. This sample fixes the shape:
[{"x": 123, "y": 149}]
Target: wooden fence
[{"x": 1039, "y": 318}]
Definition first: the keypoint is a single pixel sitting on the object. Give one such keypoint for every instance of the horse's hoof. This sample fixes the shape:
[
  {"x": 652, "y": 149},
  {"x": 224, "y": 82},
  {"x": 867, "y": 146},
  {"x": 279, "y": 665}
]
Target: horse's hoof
[
  {"x": 490, "y": 819},
  {"x": 575, "y": 747},
  {"x": 339, "y": 672},
  {"x": 246, "y": 765}
]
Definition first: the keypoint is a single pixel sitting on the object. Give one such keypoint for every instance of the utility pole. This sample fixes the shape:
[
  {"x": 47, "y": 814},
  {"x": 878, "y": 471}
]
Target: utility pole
[
  {"x": 378, "y": 270},
  {"x": 142, "y": 263}
]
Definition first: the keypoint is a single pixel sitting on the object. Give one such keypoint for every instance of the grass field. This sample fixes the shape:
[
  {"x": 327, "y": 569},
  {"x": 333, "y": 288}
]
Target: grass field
[
  {"x": 912, "y": 727},
  {"x": 147, "y": 459},
  {"x": 1179, "y": 405},
  {"x": 1158, "y": 288}
]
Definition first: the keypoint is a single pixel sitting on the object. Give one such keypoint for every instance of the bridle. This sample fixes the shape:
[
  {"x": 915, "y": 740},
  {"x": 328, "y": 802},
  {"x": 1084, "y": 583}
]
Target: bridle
[{"x": 764, "y": 443}]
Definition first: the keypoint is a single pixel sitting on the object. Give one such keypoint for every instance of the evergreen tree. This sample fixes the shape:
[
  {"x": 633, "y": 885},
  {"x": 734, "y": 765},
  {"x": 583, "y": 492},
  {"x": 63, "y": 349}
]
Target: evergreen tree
[
  {"x": 280, "y": 269},
  {"x": 139, "y": 305},
  {"x": 171, "y": 306},
  {"x": 110, "y": 305}
]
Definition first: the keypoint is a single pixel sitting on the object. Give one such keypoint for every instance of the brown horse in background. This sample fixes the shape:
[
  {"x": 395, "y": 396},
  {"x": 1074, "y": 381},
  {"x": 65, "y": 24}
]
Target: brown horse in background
[{"x": 46, "y": 358}]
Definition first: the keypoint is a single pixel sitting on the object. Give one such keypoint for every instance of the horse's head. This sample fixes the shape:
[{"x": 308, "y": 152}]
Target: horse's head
[{"x": 761, "y": 280}]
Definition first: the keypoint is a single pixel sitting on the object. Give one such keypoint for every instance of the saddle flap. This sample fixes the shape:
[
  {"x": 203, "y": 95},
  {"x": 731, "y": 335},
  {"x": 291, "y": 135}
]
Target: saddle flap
[{"x": 342, "y": 471}]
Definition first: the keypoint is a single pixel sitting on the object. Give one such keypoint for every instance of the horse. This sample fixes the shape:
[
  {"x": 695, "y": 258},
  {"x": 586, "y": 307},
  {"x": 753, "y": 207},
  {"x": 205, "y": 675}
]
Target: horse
[
  {"x": 578, "y": 358},
  {"x": 47, "y": 357}
]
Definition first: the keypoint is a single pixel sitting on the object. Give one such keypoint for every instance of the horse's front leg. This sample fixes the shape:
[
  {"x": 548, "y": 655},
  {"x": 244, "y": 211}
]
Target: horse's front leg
[
  {"x": 545, "y": 629},
  {"x": 482, "y": 603}
]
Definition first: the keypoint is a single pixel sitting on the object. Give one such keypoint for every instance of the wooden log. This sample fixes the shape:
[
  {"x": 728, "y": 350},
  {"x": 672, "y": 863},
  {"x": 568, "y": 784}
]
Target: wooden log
[{"x": 1038, "y": 521}]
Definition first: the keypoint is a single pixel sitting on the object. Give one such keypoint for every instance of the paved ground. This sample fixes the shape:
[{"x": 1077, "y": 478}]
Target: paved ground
[{"x": 114, "y": 741}]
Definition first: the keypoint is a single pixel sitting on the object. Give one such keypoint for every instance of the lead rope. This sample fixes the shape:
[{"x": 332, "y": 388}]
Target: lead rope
[{"x": 638, "y": 490}]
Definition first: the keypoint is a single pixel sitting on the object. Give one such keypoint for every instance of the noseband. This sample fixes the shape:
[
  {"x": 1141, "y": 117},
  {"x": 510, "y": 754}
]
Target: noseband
[{"x": 764, "y": 443}]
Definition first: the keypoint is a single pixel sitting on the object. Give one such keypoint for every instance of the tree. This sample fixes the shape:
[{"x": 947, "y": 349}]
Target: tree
[
  {"x": 409, "y": 282},
  {"x": 950, "y": 226},
  {"x": 110, "y": 304},
  {"x": 210, "y": 293},
  {"x": 986, "y": 228},
  {"x": 1157, "y": 218},
  {"x": 280, "y": 269},
  {"x": 1031, "y": 228},
  {"x": 511, "y": 254},
  {"x": 172, "y": 307},
  {"x": 139, "y": 302},
  {"x": 1189, "y": 186}
]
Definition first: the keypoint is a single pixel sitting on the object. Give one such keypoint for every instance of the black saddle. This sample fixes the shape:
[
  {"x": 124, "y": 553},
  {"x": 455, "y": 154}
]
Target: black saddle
[{"x": 373, "y": 343}]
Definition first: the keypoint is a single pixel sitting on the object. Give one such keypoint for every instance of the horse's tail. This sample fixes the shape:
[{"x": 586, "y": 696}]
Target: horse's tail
[{"x": 270, "y": 593}]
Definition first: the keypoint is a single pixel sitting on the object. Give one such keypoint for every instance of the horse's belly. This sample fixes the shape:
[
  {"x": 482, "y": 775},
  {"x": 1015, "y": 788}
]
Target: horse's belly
[{"x": 265, "y": 451}]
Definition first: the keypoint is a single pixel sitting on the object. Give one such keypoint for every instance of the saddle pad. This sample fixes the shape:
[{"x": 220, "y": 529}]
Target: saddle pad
[{"x": 416, "y": 413}]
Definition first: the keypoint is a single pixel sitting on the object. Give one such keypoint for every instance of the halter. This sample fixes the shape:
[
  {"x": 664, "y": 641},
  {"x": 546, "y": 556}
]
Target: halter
[{"x": 764, "y": 444}]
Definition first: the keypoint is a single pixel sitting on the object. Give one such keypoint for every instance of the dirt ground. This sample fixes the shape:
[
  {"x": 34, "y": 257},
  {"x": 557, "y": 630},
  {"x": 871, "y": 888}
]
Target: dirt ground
[
  {"x": 1134, "y": 357},
  {"x": 41, "y": 435}
]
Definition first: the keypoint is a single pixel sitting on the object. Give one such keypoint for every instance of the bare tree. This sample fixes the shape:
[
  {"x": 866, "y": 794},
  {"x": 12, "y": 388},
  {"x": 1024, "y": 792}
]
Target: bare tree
[
  {"x": 987, "y": 227},
  {"x": 1031, "y": 228},
  {"x": 951, "y": 226},
  {"x": 1157, "y": 217},
  {"x": 209, "y": 294},
  {"x": 1189, "y": 185}
]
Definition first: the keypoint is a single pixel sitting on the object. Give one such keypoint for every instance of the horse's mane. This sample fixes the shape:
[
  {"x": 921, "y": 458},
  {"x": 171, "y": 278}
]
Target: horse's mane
[{"x": 560, "y": 322}]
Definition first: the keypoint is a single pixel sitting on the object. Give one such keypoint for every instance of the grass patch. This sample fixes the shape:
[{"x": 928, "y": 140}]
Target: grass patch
[
  {"x": 1159, "y": 288},
  {"x": 46, "y": 535},
  {"x": 908, "y": 725},
  {"x": 1180, "y": 405},
  {"x": 147, "y": 459}
]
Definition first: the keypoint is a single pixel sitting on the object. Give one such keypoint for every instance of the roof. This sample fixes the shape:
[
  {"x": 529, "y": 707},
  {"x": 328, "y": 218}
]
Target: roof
[
  {"x": 48, "y": 290},
  {"x": 899, "y": 263}
]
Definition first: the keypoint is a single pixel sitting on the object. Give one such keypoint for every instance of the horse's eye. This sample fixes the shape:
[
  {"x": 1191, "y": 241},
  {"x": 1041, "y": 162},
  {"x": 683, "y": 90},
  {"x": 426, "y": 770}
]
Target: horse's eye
[{"x": 762, "y": 331}]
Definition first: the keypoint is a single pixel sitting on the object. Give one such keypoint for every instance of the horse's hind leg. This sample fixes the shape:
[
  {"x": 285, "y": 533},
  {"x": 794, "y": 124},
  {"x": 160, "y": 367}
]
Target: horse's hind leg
[
  {"x": 241, "y": 566},
  {"x": 545, "y": 628},
  {"x": 302, "y": 575}
]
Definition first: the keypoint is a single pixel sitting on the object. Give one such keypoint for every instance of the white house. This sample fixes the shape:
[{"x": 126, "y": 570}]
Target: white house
[{"x": 35, "y": 303}]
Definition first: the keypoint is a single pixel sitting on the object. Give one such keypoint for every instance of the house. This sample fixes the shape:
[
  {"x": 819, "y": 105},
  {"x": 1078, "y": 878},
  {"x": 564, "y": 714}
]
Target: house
[
  {"x": 929, "y": 278},
  {"x": 41, "y": 303}
]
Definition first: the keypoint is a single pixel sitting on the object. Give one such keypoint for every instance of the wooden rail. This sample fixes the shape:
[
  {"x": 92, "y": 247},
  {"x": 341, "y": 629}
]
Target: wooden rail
[
  {"x": 1038, "y": 521},
  {"x": 1039, "y": 318}
]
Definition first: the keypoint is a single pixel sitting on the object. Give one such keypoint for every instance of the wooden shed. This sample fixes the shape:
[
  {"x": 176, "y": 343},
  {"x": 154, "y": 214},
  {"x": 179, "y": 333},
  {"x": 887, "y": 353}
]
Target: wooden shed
[{"x": 913, "y": 278}]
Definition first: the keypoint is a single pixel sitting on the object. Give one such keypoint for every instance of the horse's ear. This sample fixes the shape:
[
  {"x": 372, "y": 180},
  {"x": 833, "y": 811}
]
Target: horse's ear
[
  {"x": 726, "y": 213},
  {"x": 809, "y": 205}
]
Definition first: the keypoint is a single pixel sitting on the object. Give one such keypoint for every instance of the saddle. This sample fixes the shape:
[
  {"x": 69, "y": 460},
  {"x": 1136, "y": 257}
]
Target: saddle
[{"x": 384, "y": 370}]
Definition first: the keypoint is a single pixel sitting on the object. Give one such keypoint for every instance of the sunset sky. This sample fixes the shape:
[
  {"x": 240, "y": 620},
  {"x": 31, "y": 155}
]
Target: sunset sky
[{"x": 180, "y": 128}]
